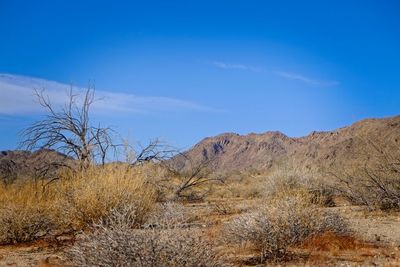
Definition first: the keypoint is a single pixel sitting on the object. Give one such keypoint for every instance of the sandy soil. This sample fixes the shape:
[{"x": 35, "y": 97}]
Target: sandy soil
[{"x": 40, "y": 253}]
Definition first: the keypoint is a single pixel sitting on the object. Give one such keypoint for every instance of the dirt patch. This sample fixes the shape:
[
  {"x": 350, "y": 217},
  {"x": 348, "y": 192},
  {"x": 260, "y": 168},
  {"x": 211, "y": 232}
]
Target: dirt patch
[
  {"x": 376, "y": 227},
  {"x": 39, "y": 253}
]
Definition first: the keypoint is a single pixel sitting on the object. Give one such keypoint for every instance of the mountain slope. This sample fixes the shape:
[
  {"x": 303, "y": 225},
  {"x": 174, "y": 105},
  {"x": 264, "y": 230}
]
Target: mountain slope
[
  {"x": 31, "y": 165},
  {"x": 342, "y": 147}
]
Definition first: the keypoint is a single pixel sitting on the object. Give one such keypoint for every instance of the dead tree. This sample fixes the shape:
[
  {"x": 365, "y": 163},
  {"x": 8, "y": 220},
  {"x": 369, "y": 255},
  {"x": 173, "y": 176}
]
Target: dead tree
[
  {"x": 156, "y": 151},
  {"x": 193, "y": 174},
  {"x": 376, "y": 182},
  {"x": 68, "y": 130}
]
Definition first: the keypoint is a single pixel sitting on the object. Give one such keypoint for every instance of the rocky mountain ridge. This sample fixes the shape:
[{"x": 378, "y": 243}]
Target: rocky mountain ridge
[{"x": 341, "y": 147}]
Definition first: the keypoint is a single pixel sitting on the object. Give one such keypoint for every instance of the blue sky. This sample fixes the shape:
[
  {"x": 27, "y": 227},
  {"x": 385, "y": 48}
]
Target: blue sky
[{"x": 184, "y": 70}]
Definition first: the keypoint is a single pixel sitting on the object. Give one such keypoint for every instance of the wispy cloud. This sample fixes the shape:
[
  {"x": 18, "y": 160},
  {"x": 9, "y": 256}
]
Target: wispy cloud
[
  {"x": 223, "y": 65},
  {"x": 307, "y": 80},
  {"x": 16, "y": 98},
  {"x": 283, "y": 74}
]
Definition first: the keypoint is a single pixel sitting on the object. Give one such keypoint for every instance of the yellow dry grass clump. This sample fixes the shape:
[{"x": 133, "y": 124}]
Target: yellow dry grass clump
[{"x": 30, "y": 210}]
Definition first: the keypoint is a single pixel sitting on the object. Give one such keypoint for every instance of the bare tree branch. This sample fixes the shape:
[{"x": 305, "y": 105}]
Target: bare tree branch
[
  {"x": 376, "y": 183},
  {"x": 69, "y": 130}
]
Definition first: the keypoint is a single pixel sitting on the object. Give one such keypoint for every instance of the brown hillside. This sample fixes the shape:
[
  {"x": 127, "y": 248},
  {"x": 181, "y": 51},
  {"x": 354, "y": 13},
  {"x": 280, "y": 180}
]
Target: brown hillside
[
  {"x": 19, "y": 164},
  {"x": 342, "y": 147}
]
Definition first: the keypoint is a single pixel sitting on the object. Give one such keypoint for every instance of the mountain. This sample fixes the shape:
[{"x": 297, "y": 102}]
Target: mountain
[
  {"x": 21, "y": 164},
  {"x": 343, "y": 147},
  {"x": 230, "y": 152}
]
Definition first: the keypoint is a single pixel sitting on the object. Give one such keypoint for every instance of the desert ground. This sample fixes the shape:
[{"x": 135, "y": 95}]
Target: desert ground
[
  {"x": 377, "y": 243},
  {"x": 374, "y": 238}
]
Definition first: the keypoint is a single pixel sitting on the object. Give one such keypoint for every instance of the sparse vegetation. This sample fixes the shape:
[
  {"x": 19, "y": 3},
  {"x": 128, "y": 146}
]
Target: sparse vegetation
[
  {"x": 91, "y": 195},
  {"x": 285, "y": 178},
  {"x": 376, "y": 183},
  {"x": 193, "y": 179},
  {"x": 169, "y": 215},
  {"x": 30, "y": 210},
  {"x": 286, "y": 220},
  {"x": 117, "y": 244},
  {"x": 27, "y": 212},
  {"x": 19, "y": 223}
]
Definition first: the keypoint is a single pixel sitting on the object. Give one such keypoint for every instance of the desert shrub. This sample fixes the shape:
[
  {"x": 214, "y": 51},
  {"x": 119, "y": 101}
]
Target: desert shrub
[
  {"x": 31, "y": 209},
  {"x": 118, "y": 216},
  {"x": 160, "y": 179},
  {"x": 224, "y": 208},
  {"x": 292, "y": 179},
  {"x": 288, "y": 219},
  {"x": 27, "y": 213},
  {"x": 375, "y": 189},
  {"x": 250, "y": 187},
  {"x": 117, "y": 244},
  {"x": 171, "y": 185},
  {"x": 374, "y": 183},
  {"x": 93, "y": 194},
  {"x": 22, "y": 224},
  {"x": 240, "y": 184},
  {"x": 169, "y": 215},
  {"x": 117, "y": 247}
]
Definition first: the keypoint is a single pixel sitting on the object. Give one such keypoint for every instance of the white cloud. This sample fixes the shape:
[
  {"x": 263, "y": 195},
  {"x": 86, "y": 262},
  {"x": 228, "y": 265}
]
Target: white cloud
[
  {"x": 16, "y": 97},
  {"x": 283, "y": 74},
  {"x": 301, "y": 78}
]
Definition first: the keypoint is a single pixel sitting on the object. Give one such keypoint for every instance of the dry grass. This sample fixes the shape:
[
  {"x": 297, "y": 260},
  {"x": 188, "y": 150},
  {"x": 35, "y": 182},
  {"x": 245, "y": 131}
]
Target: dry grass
[
  {"x": 284, "y": 179},
  {"x": 239, "y": 185},
  {"x": 93, "y": 194},
  {"x": 27, "y": 212},
  {"x": 30, "y": 210},
  {"x": 266, "y": 184}
]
